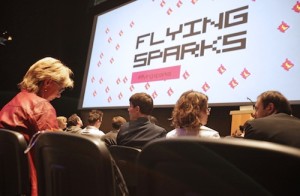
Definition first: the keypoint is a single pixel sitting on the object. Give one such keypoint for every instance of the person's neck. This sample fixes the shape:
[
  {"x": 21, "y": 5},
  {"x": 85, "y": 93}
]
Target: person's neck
[
  {"x": 191, "y": 131},
  {"x": 143, "y": 116},
  {"x": 140, "y": 116}
]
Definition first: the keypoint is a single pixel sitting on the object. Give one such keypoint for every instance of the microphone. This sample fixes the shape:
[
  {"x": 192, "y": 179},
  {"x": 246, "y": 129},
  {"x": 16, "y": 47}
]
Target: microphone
[
  {"x": 253, "y": 105},
  {"x": 251, "y": 101}
]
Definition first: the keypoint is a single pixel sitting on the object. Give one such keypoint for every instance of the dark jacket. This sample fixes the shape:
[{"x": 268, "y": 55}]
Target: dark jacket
[
  {"x": 137, "y": 133},
  {"x": 278, "y": 128}
]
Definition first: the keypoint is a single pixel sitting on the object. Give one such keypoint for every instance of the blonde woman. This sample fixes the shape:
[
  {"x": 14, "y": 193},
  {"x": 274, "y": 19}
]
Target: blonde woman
[
  {"x": 189, "y": 116},
  {"x": 30, "y": 110},
  {"x": 62, "y": 122}
]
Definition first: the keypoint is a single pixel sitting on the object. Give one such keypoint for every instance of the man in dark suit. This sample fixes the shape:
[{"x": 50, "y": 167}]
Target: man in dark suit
[
  {"x": 273, "y": 121},
  {"x": 139, "y": 130},
  {"x": 110, "y": 138}
]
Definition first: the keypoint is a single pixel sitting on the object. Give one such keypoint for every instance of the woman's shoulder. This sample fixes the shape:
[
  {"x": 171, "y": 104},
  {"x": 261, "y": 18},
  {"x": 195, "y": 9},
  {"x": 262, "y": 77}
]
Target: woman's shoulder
[
  {"x": 208, "y": 132},
  {"x": 171, "y": 133},
  {"x": 29, "y": 97}
]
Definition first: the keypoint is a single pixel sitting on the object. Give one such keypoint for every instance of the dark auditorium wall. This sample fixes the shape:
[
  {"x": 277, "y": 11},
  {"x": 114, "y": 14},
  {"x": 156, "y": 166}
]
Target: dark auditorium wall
[{"x": 219, "y": 119}]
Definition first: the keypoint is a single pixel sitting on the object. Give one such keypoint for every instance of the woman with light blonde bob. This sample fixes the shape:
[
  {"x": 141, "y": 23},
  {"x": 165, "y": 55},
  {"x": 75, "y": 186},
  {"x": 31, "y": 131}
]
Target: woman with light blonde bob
[
  {"x": 189, "y": 116},
  {"x": 62, "y": 122}
]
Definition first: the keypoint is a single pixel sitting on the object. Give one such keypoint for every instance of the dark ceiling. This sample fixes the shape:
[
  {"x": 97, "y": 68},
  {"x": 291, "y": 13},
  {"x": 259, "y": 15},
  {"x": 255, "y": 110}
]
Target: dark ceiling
[{"x": 40, "y": 28}]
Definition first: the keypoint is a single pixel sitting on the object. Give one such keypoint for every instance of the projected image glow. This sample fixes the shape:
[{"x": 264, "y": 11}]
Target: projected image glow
[{"x": 229, "y": 50}]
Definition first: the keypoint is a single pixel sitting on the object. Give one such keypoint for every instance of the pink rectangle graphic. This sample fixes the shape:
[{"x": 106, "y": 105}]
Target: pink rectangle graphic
[{"x": 166, "y": 73}]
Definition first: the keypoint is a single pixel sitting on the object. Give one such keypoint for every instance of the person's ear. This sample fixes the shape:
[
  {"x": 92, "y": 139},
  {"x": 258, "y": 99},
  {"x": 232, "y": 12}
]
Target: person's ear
[
  {"x": 137, "y": 108},
  {"x": 271, "y": 108},
  {"x": 46, "y": 83}
]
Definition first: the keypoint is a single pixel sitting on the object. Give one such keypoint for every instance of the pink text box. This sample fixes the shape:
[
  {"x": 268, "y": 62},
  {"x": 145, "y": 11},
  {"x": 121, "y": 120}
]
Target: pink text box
[{"x": 166, "y": 73}]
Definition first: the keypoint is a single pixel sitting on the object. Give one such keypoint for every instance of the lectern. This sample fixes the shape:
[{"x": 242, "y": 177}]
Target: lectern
[{"x": 238, "y": 118}]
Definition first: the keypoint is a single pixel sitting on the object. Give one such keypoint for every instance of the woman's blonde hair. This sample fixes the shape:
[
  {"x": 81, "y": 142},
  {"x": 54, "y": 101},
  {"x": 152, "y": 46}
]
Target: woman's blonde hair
[
  {"x": 46, "y": 68},
  {"x": 62, "y": 121},
  {"x": 187, "y": 110}
]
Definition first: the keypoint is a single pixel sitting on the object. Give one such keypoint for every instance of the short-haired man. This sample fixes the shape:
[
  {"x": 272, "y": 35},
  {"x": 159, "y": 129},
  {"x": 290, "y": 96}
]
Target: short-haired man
[
  {"x": 110, "y": 138},
  {"x": 139, "y": 130},
  {"x": 74, "y": 124},
  {"x": 94, "y": 123},
  {"x": 273, "y": 121}
]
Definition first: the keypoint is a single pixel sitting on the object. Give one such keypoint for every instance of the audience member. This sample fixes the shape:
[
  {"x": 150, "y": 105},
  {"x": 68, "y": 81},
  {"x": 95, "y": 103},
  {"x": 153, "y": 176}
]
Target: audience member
[
  {"x": 153, "y": 119},
  {"x": 110, "y": 138},
  {"x": 239, "y": 133},
  {"x": 74, "y": 124},
  {"x": 62, "y": 122},
  {"x": 273, "y": 120},
  {"x": 189, "y": 116},
  {"x": 94, "y": 123},
  {"x": 139, "y": 130},
  {"x": 30, "y": 111}
]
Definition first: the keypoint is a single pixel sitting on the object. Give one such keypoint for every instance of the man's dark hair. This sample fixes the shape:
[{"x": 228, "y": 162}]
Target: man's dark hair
[
  {"x": 117, "y": 122},
  {"x": 95, "y": 115},
  {"x": 72, "y": 120},
  {"x": 280, "y": 102},
  {"x": 144, "y": 101}
]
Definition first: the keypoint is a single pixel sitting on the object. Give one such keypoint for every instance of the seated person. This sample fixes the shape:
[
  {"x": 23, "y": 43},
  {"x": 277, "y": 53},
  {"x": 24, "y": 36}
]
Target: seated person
[
  {"x": 110, "y": 138},
  {"x": 273, "y": 121},
  {"x": 62, "y": 122},
  {"x": 139, "y": 130},
  {"x": 153, "y": 119},
  {"x": 240, "y": 133},
  {"x": 94, "y": 123},
  {"x": 189, "y": 116},
  {"x": 74, "y": 124}
]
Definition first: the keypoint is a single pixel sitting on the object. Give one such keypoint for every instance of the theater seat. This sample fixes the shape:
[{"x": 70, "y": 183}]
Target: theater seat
[
  {"x": 14, "y": 171},
  {"x": 70, "y": 164},
  {"x": 199, "y": 166},
  {"x": 126, "y": 159}
]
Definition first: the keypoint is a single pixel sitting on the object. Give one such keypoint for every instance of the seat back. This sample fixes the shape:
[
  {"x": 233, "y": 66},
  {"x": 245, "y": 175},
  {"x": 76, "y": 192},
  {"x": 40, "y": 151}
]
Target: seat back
[
  {"x": 199, "y": 166},
  {"x": 275, "y": 167},
  {"x": 126, "y": 159},
  {"x": 70, "y": 164},
  {"x": 14, "y": 167}
]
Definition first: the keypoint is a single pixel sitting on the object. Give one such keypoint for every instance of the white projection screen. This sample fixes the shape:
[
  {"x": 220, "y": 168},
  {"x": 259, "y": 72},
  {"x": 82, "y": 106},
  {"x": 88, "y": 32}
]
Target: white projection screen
[{"x": 231, "y": 50}]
